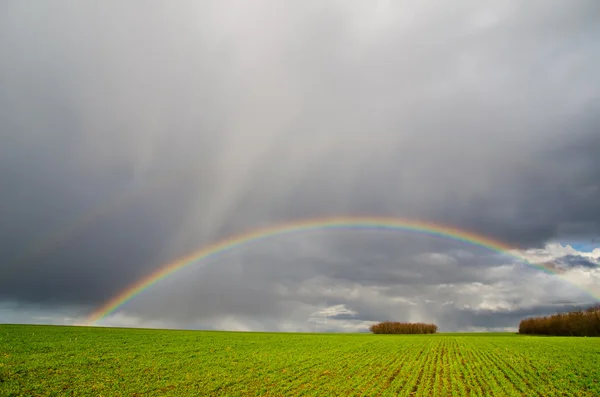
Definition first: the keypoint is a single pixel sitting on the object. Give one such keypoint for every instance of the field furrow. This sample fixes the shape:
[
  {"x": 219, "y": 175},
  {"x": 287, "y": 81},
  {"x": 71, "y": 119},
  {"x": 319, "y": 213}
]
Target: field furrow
[
  {"x": 497, "y": 383},
  {"x": 79, "y": 361},
  {"x": 517, "y": 378},
  {"x": 419, "y": 369},
  {"x": 457, "y": 375},
  {"x": 471, "y": 367},
  {"x": 400, "y": 376}
]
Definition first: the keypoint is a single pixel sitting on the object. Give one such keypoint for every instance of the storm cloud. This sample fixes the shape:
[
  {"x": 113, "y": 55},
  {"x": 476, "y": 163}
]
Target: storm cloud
[{"x": 133, "y": 134}]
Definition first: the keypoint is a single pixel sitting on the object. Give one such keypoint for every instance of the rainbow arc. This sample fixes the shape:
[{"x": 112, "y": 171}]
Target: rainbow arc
[{"x": 369, "y": 223}]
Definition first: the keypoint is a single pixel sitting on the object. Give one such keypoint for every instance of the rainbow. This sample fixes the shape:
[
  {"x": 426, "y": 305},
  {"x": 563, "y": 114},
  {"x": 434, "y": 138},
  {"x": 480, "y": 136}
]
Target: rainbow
[{"x": 372, "y": 223}]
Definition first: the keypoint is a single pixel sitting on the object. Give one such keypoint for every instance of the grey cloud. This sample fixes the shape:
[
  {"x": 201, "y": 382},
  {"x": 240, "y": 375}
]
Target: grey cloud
[
  {"x": 498, "y": 319},
  {"x": 578, "y": 261},
  {"x": 132, "y": 134}
]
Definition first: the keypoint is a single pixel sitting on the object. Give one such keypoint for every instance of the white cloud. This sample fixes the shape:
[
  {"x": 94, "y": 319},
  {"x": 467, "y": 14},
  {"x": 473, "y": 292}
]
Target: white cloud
[
  {"x": 583, "y": 278},
  {"x": 435, "y": 258},
  {"x": 23, "y": 313},
  {"x": 333, "y": 311},
  {"x": 123, "y": 319},
  {"x": 490, "y": 329},
  {"x": 555, "y": 251}
]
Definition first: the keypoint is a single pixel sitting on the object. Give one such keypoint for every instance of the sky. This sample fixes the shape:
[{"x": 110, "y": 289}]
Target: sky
[{"x": 134, "y": 133}]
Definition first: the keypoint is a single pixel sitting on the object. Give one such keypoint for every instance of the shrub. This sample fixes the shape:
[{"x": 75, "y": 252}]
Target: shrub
[
  {"x": 575, "y": 323},
  {"x": 392, "y": 327}
]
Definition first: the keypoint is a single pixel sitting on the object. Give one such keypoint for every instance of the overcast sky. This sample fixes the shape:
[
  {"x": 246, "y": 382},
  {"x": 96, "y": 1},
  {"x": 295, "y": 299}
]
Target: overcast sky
[{"x": 133, "y": 133}]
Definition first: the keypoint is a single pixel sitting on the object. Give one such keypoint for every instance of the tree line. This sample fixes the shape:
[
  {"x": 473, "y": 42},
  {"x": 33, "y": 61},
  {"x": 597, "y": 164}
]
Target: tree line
[
  {"x": 575, "y": 323},
  {"x": 393, "y": 327}
]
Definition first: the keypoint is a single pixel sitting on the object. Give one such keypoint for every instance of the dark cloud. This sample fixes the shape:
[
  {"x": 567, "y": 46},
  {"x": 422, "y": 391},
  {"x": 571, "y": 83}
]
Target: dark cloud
[
  {"x": 498, "y": 319},
  {"x": 130, "y": 138},
  {"x": 578, "y": 261}
]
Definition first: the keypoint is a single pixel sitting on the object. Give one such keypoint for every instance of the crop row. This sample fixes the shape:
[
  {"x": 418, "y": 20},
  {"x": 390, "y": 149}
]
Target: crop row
[{"x": 86, "y": 361}]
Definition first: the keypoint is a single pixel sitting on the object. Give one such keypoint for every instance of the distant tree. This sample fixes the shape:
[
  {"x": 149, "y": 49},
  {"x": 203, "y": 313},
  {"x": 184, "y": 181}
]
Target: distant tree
[
  {"x": 392, "y": 327},
  {"x": 575, "y": 323}
]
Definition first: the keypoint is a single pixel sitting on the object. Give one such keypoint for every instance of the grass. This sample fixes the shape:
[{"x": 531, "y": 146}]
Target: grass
[{"x": 57, "y": 361}]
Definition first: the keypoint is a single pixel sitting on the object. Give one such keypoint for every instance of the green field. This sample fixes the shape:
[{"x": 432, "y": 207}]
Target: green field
[{"x": 47, "y": 360}]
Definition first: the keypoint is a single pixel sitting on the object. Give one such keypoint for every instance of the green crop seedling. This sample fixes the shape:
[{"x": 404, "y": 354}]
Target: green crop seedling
[{"x": 54, "y": 361}]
